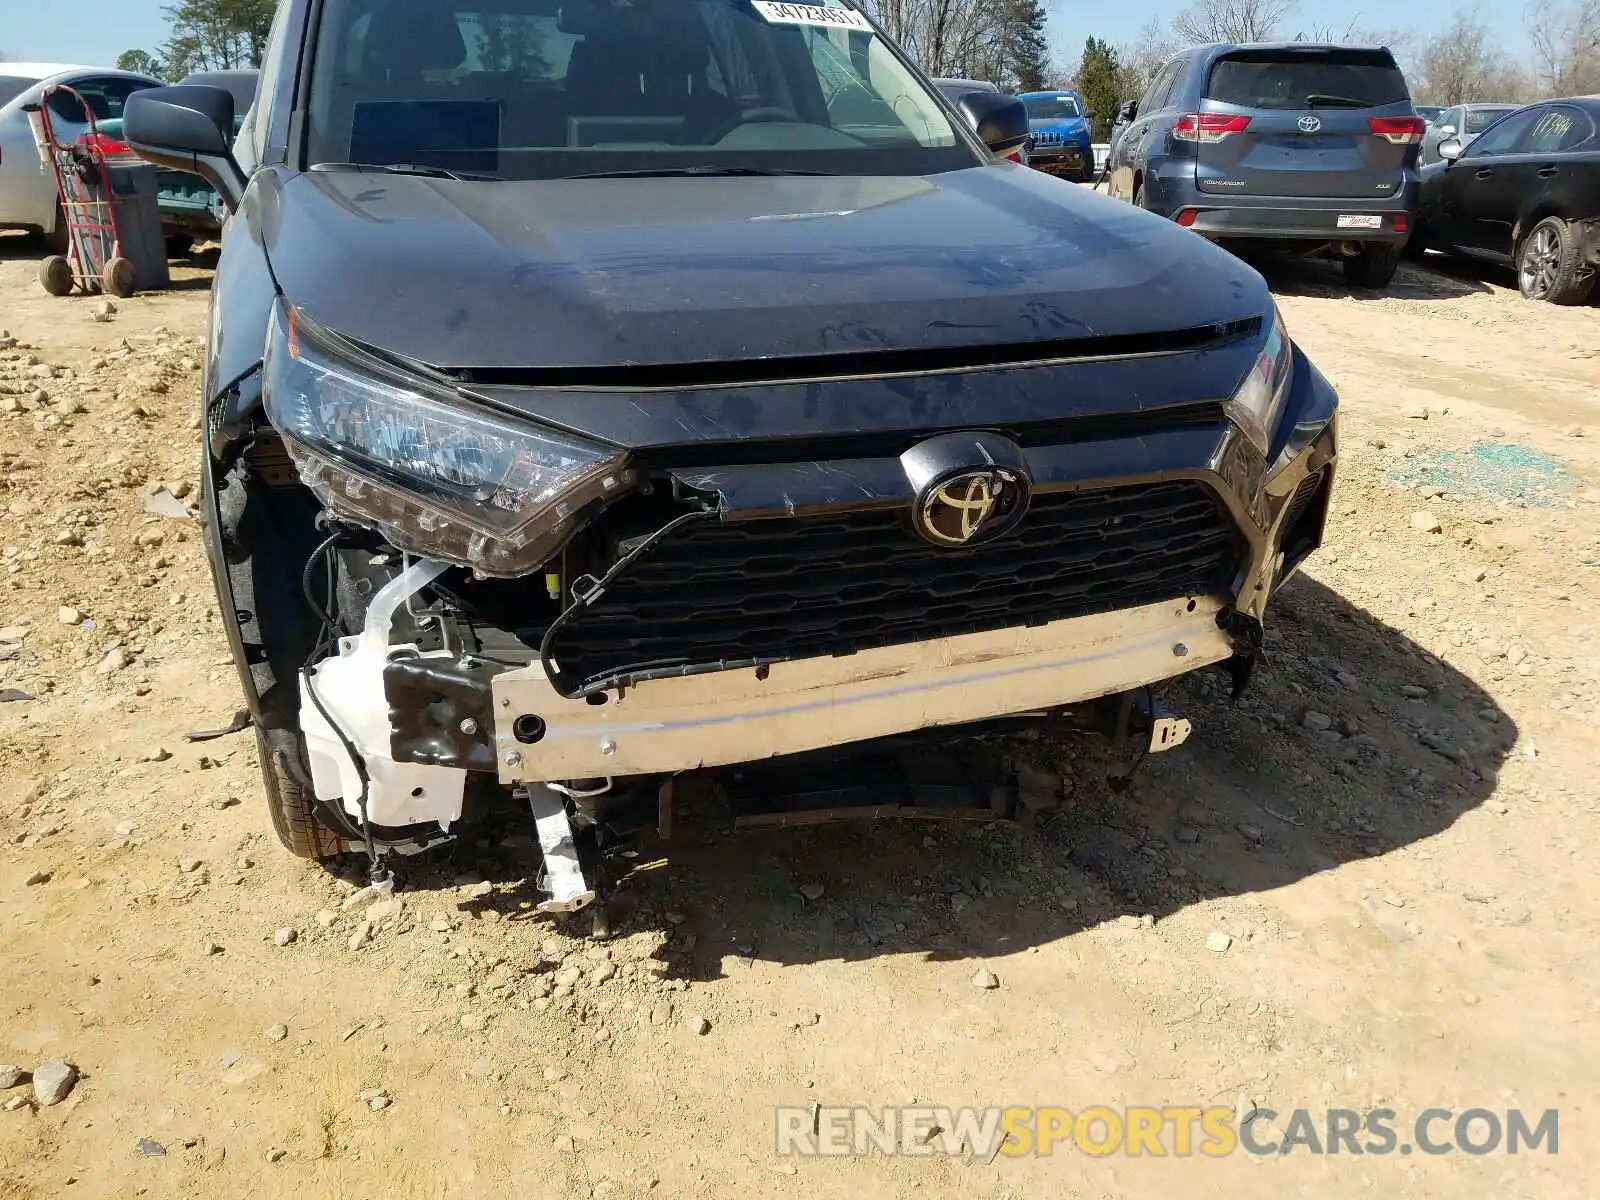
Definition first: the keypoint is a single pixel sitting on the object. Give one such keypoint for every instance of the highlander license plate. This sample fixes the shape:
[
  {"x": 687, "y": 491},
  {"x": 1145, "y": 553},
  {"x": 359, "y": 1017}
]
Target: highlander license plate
[{"x": 1360, "y": 221}]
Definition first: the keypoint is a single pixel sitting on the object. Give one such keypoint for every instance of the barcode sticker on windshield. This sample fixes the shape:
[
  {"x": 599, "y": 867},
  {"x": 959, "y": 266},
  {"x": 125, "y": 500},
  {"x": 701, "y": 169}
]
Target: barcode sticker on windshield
[{"x": 810, "y": 14}]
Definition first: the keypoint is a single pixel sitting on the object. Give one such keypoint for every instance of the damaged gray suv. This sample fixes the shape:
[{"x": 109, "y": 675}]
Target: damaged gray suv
[{"x": 600, "y": 391}]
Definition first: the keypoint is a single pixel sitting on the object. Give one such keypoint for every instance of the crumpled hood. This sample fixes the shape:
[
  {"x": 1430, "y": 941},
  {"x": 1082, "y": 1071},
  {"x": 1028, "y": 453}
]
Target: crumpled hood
[{"x": 597, "y": 273}]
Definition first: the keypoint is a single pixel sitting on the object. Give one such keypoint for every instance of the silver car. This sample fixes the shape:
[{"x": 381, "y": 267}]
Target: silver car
[
  {"x": 1462, "y": 122},
  {"x": 27, "y": 187}
]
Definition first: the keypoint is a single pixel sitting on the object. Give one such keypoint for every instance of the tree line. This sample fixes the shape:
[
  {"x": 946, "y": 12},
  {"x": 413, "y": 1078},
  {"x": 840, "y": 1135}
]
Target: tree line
[{"x": 1006, "y": 42}]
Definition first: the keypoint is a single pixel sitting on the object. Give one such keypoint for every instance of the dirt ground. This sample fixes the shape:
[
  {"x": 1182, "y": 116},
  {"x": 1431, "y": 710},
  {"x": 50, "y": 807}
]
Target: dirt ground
[{"x": 1396, "y": 829}]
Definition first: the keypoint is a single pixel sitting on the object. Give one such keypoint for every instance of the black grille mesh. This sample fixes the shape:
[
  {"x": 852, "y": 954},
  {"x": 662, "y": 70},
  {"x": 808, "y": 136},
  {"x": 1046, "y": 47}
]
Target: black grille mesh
[{"x": 801, "y": 587}]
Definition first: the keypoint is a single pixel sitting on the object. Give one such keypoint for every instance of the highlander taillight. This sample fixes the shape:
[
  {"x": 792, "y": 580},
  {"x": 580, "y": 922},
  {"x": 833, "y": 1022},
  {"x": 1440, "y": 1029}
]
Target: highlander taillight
[
  {"x": 1207, "y": 127},
  {"x": 1400, "y": 131}
]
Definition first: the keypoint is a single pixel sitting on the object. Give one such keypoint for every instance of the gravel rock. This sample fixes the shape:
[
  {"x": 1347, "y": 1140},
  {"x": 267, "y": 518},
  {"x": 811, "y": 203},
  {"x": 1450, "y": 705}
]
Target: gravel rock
[
  {"x": 474, "y": 1022},
  {"x": 602, "y": 973},
  {"x": 699, "y": 1026},
  {"x": 1425, "y": 522},
  {"x": 16, "y": 1102},
  {"x": 812, "y": 891},
  {"x": 379, "y": 1103},
  {"x": 1413, "y": 691},
  {"x": 103, "y": 310},
  {"x": 1218, "y": 942},
  {"x": 661, "y": 1012},
  {"x": 156, "y": 754},
  {"x": 69, "y": 616},
  {"x": 284, "y": 937},
  {"x": 277, "y": 1033},
  {"x": 985, "y": 979},
  {"x": 1185, "y": 835},
  {"x": 326, "y": 918},
  {"x": 190, "y": 865},
  {"x": 1251, "y": 833},
  {"x": 52, "y": 1081},
  {"x": 11, "y": 1076},
  {"x": 1316, "y": 721},
  {"x": 37, "y": 877}
]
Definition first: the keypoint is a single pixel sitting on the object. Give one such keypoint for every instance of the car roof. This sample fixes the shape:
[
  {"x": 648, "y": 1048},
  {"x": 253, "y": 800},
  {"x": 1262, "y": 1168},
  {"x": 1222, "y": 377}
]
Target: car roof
[
  {"x": 43, "y": 70},
  {"x": 1050, "y": 92},
  {"x": 242, "y": 84},
  {"x": 982, "y": 85},
  {"x": 1226, "y": 46},
  {"x": 1493, "y": 104}
]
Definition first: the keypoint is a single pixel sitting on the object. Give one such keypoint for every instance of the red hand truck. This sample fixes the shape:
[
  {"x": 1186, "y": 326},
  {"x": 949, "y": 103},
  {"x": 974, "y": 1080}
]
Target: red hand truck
[{"x": 94, "y": 260}]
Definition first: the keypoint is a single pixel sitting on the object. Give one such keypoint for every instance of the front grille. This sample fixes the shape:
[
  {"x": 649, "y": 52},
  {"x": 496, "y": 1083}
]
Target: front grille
[{"x": 801, "y": 587}]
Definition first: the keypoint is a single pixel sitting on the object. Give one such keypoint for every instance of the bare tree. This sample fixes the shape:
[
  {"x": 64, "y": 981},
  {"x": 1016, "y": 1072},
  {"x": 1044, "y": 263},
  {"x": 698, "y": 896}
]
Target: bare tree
[
  {"x": 948, "y": 37},
  {"x": 1463, "y": 62},
  {"x": 1139, "y": 60},
  {"x": 1230, "y": 20},
  {"x": 1566, "y": 45}
]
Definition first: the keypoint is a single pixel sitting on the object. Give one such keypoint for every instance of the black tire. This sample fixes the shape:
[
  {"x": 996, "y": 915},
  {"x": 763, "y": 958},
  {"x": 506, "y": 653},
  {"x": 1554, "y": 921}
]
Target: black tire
[
  {"x": 293, "y": 808},
  {"x": 1549, "y": 267},
  {"x": 1373, "y": 268},
  {"x": 1138, "y": 194},
  {"x": 55, "y": 275}
]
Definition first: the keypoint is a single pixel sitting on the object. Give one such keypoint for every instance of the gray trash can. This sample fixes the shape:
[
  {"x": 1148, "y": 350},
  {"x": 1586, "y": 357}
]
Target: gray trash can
[{"x": 133, "y": 187}]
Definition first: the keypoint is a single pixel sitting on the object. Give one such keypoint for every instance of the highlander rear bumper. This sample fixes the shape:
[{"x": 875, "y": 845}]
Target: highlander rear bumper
[
  {"x": 1297, "y": 224},
  {"x": 668, "y": 725}
]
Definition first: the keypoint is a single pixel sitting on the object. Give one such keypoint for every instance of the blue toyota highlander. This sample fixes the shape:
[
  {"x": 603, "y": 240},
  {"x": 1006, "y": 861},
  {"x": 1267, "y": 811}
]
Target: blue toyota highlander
[{"x": 1058, "y": 131}]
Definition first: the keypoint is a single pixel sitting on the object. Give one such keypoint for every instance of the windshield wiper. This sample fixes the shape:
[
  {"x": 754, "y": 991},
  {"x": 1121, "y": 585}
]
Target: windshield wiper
[
  {"x": 1318, "y": 98},
  {"x": 405, "y": 169},
  {"x": 706, "y": 171}
]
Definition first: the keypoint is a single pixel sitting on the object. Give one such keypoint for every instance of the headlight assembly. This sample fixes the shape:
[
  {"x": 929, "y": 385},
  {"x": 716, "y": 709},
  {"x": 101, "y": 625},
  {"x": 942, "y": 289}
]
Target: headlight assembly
[
  {"x": 433, "y": 474},
  {"x": 1259, "y": 400}
]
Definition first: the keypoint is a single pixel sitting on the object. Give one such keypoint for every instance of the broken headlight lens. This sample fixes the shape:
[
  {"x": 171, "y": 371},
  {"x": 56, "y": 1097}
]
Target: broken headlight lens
[
  {"x": 1258, "y": 401},
  {"x": 410, "y": 458}
]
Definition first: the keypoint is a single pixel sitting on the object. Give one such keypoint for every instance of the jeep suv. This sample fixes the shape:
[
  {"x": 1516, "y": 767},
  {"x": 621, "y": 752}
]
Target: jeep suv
[
  {"x": 1308, "y": 147},
  {"x": 657, "y": 387}
]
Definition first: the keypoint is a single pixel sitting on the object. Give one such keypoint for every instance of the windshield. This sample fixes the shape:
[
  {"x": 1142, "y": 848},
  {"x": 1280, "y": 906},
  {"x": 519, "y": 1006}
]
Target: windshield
[
  {"x": 532, "y": 89},
  {"x": 1479, "y": 119},
  {"x": 1048, "y": 108},
  {"x": 11, "y": 87},
  {"x": 1296, "y": 79}
]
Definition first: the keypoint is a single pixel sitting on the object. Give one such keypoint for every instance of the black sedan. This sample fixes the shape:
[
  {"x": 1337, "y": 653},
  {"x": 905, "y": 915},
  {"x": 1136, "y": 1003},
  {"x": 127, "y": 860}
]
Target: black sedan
[{"x": 1525, "y": 193}]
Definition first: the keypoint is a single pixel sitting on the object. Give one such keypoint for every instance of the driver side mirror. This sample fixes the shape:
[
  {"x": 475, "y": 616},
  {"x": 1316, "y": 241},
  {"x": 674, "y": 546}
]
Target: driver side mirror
[
  {"x": 188, "y": 127},
  {"x": 1450, "y": 149},
  {"x": 1000, "y": 121},
  {"x": 1127, "y": 110}
]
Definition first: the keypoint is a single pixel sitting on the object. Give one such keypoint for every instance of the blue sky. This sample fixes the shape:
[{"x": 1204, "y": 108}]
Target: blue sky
[{"x": 96, "y": 31}]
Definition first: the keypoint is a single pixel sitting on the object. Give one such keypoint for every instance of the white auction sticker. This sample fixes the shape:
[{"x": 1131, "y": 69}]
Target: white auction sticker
[{"x": 810, "y": 14}]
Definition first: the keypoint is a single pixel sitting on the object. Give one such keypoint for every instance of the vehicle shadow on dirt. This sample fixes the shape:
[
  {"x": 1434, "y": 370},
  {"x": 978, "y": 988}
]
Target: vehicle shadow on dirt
[
  {"x": 1435, "y": 278},
  {"x": 1351, "y": 742}
]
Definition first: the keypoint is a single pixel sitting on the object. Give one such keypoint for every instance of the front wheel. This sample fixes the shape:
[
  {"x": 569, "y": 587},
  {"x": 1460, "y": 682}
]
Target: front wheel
[
  {"x": 1549, "y": 266},
  {"x": 1373, "y": 268},
  {"x": 293, "y": 807}
]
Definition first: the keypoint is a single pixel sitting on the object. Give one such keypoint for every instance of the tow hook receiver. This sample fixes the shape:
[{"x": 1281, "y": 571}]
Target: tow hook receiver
[{"x": 564, "y": 879}]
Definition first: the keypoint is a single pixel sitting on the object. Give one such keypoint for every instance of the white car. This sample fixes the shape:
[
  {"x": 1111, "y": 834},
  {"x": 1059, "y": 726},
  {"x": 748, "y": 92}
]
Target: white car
[{"x": 27, "y": 187}]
